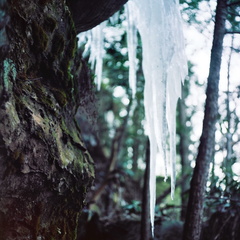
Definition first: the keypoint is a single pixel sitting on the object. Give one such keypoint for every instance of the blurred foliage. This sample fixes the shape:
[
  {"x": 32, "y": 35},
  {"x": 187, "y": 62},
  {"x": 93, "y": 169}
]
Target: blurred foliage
[
  {"x": 120, "y": 131},
  {"x": 190, "y": 8},
  {"x": 133, "y": 207}
]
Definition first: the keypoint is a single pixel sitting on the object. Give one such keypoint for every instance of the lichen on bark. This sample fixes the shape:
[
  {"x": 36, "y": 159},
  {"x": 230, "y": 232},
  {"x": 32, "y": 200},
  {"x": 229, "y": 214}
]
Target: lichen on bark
[{"x": 45, "y": 168}]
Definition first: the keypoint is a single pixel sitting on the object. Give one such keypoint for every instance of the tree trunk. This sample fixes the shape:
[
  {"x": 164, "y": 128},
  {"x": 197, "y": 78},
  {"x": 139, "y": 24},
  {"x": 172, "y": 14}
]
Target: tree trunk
[
  {"x": 145, "y": 216},
  {"x": 45, "y": 168},
  {"x": 192, "y": 227},
  {"x": 184, "y": 143}
]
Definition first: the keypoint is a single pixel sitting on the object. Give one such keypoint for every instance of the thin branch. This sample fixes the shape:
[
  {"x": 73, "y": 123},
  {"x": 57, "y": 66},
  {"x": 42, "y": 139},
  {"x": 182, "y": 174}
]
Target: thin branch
[
  {"x": 116, "y": 145},
  {"x": 99, "y": 191},
  {"x": 117, "y": 140},
  {"x": 232, "y": 32},
  {"x": 233, "y": 3},
  {"x": 221, "y": 229},
  {"x": 223, "y": 198},
  {"x": 234, "y": 14}
]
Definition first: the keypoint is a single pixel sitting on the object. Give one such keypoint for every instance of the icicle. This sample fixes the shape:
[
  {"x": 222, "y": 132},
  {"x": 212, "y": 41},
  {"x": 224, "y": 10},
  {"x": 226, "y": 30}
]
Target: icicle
[
  {"x": 96, "y": 56},
  {"x": 86, "y": 37},
  {"x": 132, "y": 46},
  {"x": 164, "y": 67},
  {"x": 95, "y": 47},
  {"x": 176, "y": 72},
  {"x": 114, "y": 18}
]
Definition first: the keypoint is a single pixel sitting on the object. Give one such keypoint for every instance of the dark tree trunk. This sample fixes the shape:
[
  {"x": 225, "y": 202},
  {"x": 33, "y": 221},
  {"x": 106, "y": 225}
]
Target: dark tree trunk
[
  {"x": 192, "y": 227},
  {"x": 184, "y": 151},
  {"x": 145, "y": 217},
  {"x": 45, "y": 168}
]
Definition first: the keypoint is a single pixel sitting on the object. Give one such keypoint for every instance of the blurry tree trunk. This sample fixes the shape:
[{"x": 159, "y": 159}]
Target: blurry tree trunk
[
  {"x": 135, "y": 155},
  {"x": 184, "y": 151},
  {"x": 45, "y": 168},
  {"x": 145, "y": 217},
  {"x": 228, "y": 162},
  {"x": 193, "y": 223}
]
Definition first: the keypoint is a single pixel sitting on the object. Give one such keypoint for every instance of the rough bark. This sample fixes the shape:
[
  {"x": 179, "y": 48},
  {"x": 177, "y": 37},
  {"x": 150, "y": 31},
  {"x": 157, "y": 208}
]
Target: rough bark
[
  {"x": 45, "y": 168},
  {"x": 88, "y": 14},
  {"x": 192, "y": 227}
]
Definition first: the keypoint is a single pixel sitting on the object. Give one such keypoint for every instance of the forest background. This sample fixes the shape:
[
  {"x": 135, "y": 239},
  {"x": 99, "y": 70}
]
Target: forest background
[{"x": 117, "y": 141}]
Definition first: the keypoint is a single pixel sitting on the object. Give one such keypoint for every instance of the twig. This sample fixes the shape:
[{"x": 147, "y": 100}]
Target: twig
[
  {"x": 233, "y": 3},
  {"x": 232, "y": 32},
  {"x": 217, "y": 236}
]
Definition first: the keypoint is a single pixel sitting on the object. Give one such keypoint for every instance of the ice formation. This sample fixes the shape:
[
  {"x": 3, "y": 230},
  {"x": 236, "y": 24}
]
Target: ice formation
[
  {"x": 94, "y": 47},
  {"x": 132, "y": 45},
  {"x": 164, "y": 65}
]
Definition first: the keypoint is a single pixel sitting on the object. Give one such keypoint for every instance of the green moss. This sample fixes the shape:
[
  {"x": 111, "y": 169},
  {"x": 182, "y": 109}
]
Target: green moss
[
  {"x": 79, "y": 163},
  {"x": 12, "y": 114},
  {"x": 8, "y": 71},
  {"x": 60, "y": 96},
  {"x": 72, "y": 133},
  {"x": 44, "y": 97},
  {"x": 71, "y": 148},
  {"x": 71, "y": 47},
  {"x": 69, "y": 54}
]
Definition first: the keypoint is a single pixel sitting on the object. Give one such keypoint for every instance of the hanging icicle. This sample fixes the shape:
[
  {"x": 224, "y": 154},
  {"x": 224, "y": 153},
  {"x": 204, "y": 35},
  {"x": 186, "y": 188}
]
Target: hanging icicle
[
  {"x": 114, "y": 18},
  {"x": 94, "y": 46},
  {"x": 164, "y": 67},
  {"x": 132, "y": 46}
]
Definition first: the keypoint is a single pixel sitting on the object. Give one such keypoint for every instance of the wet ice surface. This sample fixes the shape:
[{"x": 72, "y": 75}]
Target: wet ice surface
[{"x": 164, "y": 67}]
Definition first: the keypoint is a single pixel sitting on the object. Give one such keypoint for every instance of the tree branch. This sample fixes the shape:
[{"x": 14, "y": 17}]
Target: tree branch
[
  {"x": 232, "y": 32},
  {"x": 117, "y": 140},
  {"x": 233, "y": 3},
  {"x": 116, "y": 145},
  {"x": 88, "y": 14}
]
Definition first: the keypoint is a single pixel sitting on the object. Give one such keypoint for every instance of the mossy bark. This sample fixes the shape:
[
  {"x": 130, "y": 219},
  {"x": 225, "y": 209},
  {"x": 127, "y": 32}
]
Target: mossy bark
[{"x": 45, "y": 170}]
